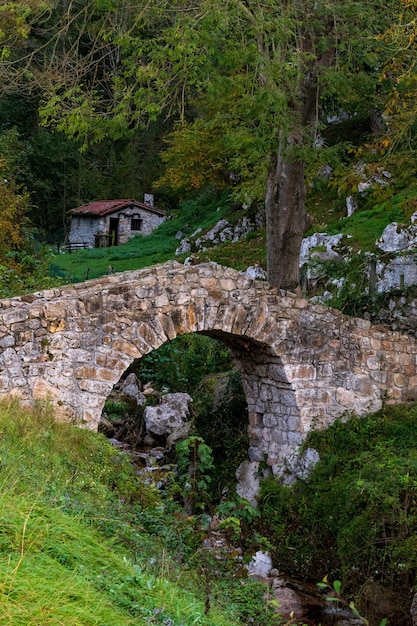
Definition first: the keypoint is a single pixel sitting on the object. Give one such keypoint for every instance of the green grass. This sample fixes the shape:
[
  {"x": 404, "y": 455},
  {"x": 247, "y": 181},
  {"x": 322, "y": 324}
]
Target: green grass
[
  {"x": 56, "y": 570},
  {"x": 366, "y": 227},
  {"x": 240, "y": 255},
  {"x": 74, "y": 547}
]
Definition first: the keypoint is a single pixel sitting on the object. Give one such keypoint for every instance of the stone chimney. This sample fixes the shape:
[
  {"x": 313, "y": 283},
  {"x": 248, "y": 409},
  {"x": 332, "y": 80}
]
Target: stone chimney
[{"x": 148, "y": 199}]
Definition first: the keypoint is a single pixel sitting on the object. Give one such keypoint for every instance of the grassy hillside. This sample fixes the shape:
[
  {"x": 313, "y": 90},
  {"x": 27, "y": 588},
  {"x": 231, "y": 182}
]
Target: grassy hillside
[
  {"x": 83, "y": 542},
  {"x": 375, "y": 211},
  {"x": 355, "y": 517}
]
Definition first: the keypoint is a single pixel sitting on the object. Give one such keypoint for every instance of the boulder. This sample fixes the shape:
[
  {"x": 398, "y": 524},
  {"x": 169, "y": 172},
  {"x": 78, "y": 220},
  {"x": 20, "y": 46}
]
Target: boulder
[
  {"x": 290, "y": 605},
  {"x": 255, "y": 272},
  {"x": 221, "y": 232},
  {"x": 398, "y": 238},
  {"x": 217, "y": 230},
  {"x": 320, "y": 246},
  {"x": 131, "y": 387},
  {"x": 169, "y": 416},
  {"x": 184, "y": 247},
  {"x": 248, "y": 485},
  {"x": 260, "y": 565},
  {"x": 296, "y": 466},
  {"x": 351, "y": 205}
]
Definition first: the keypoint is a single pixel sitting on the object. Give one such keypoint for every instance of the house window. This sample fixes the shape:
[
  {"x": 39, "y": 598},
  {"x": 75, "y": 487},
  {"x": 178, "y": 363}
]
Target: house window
[{"x": 136, "y": 223}]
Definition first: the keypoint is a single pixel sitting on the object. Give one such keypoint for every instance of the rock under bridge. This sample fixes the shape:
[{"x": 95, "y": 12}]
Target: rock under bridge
[{"x": 302, "y": 364}]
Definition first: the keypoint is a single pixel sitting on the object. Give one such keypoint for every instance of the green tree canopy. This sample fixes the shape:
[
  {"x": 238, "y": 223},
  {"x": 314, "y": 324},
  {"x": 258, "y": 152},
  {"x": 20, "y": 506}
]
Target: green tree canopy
[{"x": 252, "y": 85}]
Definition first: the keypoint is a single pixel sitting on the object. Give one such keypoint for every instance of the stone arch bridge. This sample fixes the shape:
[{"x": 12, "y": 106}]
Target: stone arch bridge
[{"x": 302, "y": 364}]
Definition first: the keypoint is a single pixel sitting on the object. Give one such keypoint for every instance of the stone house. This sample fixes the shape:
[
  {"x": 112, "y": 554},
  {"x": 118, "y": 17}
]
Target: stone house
[{"x": 112, "y": 222}]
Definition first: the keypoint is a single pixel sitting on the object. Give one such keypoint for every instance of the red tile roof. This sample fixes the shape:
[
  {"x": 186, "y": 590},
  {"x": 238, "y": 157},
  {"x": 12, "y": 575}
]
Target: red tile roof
[{"x": 104, "y": 207}]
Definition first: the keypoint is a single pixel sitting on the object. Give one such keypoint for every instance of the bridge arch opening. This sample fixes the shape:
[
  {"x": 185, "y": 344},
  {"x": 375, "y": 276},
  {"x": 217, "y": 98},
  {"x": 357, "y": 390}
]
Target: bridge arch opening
[
  {"x": 193, "y": 385},
  {"x": 265, "y": 428}
]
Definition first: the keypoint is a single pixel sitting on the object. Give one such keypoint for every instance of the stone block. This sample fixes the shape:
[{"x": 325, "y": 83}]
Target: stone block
[
  {"x": 95, "y": 386},
  {"x": 7, "y": 342},
  {"x": 255, "y": 454},
  {"x": 45, "y": 390},
  {"x": 345, "y": 397},
  {"x": 300, "y": 372},
  {"x": 362, "y": 385},
  {"x": 270, "y": 420},
  {"x": 127, "y": 348},
  {"x": 14, "y": 315},
  {"x": 379, "y": 376},
  {"x": 373, "y": 363},
  {"x": 400, "y": 380},
  {"x": 54, "y": 310},
  {"x": 255, "y": 419},
  {"x": 294, "y": 438},
  {"x": 18, "y": 381}
]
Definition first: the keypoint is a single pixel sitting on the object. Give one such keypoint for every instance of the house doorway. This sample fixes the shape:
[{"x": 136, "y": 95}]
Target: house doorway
[{"x": 114, "y": 231}]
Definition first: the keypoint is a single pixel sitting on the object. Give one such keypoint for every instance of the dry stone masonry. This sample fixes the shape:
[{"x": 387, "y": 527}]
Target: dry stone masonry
[{"x": 302, "y": 364}]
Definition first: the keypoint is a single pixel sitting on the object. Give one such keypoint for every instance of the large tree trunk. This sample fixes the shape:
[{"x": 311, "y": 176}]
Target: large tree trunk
[
  {"x": 286, "y": 217},
  {"x": 286, "y": 220}
]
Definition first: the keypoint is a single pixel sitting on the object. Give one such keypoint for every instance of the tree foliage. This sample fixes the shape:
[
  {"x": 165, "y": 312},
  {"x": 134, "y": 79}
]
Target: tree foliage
[
  {"x": 399, "y": 72},
  {"x": 13, "y": 210},
  {"x": 23, "y": 262},
  {"x": 252, "y": 86}
]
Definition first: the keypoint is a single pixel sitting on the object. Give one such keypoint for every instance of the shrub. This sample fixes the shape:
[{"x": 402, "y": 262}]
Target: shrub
[{"x": 355, "y": 517}]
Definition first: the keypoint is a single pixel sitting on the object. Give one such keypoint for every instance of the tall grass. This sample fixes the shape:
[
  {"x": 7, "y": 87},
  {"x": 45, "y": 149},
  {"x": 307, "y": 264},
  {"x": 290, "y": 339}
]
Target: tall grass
[{"x": 71, "y": 509}]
